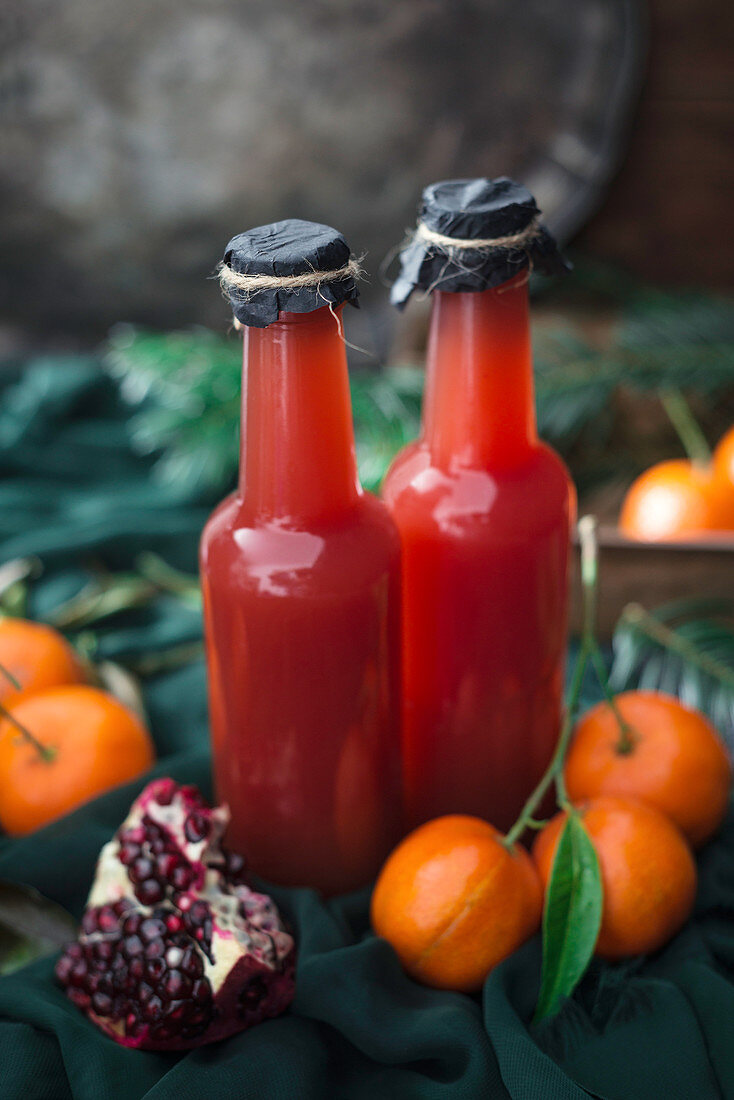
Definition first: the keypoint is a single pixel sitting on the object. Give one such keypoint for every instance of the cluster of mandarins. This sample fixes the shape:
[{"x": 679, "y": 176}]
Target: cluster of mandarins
[
  {"x": 681, "y": 498},
  {"x": 651, "y": 782},
  {"x": 62, "y": 740}
]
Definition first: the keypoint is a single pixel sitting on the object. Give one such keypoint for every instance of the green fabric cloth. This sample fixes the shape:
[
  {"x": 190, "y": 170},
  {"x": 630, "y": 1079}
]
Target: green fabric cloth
[{"x": 660, "y": 1027}]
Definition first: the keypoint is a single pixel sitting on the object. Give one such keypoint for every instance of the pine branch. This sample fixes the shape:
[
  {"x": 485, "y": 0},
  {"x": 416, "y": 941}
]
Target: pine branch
[
  {"x": 685, "y": 648},
  {"x": 184, "y": 386}
]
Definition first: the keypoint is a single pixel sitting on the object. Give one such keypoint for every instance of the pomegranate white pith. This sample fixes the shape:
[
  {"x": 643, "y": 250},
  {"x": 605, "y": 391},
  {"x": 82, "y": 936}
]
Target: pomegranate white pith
[{"x": 175, "y": 949}]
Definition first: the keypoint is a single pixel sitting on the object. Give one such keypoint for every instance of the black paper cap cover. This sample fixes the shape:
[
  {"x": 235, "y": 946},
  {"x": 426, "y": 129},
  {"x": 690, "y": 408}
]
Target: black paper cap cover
[
  {"x": 283, "y": 249},
  {"x": 471, "y": 210}
]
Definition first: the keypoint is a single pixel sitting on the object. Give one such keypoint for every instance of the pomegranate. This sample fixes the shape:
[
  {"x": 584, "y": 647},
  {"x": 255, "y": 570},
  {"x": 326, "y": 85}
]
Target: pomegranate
[{"x": 175, "y": 949}]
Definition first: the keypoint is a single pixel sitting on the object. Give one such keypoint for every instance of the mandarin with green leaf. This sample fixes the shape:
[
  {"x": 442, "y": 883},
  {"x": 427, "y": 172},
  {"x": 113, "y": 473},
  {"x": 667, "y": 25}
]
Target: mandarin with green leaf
[{"x": 647, "y": 870}]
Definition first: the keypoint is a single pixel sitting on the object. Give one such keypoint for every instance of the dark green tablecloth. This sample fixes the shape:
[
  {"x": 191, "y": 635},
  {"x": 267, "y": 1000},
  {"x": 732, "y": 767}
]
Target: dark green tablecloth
[{"x": 661, "y": 1027}]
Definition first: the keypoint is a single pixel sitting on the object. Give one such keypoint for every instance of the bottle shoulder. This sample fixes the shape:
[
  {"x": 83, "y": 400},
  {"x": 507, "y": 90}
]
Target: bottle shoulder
[
  {"x": 529, "y": 495},
  {"x": 278, "y": 556}
]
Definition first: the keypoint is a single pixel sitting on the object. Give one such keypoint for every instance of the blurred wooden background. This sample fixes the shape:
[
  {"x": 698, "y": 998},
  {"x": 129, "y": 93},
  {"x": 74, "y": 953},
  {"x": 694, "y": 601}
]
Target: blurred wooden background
[{"x": 668, "y": 216}]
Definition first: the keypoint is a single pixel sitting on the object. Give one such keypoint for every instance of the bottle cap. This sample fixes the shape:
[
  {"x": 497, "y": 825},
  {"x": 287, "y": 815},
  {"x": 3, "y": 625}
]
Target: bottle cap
[
  {"x": 472, "y": 235},
  {"x": 289, "y": 266}
]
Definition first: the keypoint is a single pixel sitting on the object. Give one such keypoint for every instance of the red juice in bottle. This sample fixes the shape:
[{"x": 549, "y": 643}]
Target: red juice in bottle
[
  {"x": 300, "y": 574},
  {"x": 484, "y": 512}
]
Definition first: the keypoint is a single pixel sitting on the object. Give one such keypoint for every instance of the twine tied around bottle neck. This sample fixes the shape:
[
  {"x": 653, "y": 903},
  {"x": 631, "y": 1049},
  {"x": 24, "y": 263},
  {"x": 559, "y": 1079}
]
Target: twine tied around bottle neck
[
  {"x": 247, "y": 285},
  {"x": 479, "y": 244}
]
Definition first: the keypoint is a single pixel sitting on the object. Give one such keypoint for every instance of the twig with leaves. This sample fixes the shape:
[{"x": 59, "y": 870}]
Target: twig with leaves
[
  {"x": 573, "y": 905},
  {"x": 574, "y": 896}
]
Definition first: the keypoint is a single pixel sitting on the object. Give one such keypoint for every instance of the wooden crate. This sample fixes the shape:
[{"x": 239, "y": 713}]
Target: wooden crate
[{"x": 654, "y": 573}]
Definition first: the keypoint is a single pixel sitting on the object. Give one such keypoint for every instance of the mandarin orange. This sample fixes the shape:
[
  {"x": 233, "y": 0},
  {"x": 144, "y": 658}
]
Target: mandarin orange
[
  {"x": 675, "y": 499},
  {"x": 723, "y": 461},
  {"x": 37, "y": 656},
  {"x": 675, "y": 760},
  {"x": 454, "y": 901},
  {"x": 647, "y": 869},
  {"x": 95, "y": 743}
]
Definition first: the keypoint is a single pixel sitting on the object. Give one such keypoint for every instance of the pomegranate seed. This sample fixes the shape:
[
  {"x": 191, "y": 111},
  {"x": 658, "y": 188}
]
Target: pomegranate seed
[
  {"x": 174, "y": 955},
  {"x": 196, "y": 828},
  {"x": 102, "y": 1004},
  {"x": 153, "y": 831},
  {"x": 153, "y": 1010},
  {"x": 136, "y": 969},
  {"x": 201, "y": 991},
  {"x": 191, "y": 795},
  {"x": 182, "y": 877},
  {"x": 104, "y": 951},
  {"x": 78, "y": 974},
  {"x": 89, "y": 921},
  {"x": 133, "y": 945},
  {"x": 162, "y": 1032},
  {"x": 199, "y": 911},
  {"x": 176, "y": 985},
  {"x": 132, "y": 924},
  {"x": 163, "y": 791},
  {"x": 150, "y": 892},
  {"x": 156, "y": 969},
  {"x": 191, "y": 963},
  {"x": 140, "y": 869},
  {"x": 166, "y": 864},
  {"x": 63, "y": 969},
  {"x": 127, "y": 853}
]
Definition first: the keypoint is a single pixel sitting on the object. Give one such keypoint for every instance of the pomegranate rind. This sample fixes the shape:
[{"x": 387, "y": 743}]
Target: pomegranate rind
[{"x": 240, "y": 957}]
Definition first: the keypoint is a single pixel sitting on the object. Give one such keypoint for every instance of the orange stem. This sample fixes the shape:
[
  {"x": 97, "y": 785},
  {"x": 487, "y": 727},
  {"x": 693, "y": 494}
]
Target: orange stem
[
  {"x": 686, "y": 426},
  {"x": 627, "y": 735},
  {"x": 554, "y": 771},
  {"x": 11, "y": 679},
  {"x": 43, "y": 751}
]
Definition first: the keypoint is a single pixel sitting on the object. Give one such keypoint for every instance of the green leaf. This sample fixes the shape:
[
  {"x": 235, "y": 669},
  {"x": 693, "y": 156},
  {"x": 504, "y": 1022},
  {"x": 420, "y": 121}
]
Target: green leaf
[
  {"x": 30, "y": 926},
  {"x": 571, "y": 918}
]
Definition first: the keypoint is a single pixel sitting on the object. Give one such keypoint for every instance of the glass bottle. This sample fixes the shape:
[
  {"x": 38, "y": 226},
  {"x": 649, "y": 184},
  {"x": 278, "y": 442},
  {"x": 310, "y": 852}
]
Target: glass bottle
[
  {"x": 300, "y": 574},
  {"x": 484, "y": 511}
]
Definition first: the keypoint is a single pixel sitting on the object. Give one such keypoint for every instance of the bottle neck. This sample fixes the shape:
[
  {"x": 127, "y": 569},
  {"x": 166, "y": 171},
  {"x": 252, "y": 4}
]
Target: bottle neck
[
  {"x": 297, "y": 456},
  {"x": 479, "y": 408}
]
